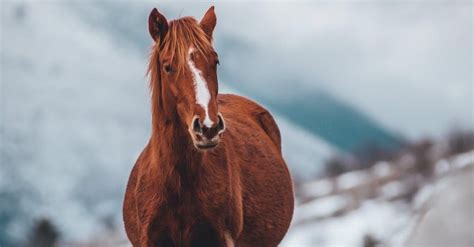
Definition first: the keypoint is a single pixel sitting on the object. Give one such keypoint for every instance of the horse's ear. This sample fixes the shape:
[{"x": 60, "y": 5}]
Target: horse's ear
[
  {"x": 208, "y": 22},
  {"x": 157, "y": 25}
]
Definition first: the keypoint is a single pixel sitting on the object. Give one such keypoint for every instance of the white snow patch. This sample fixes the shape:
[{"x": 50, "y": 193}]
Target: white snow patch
[
  {"x": 423, "y": 196},
  {"x": 463, "y": 160},
  {"x": 318, "y": 188},
  {"x": 352, "y": 179},
  {"x": 321, "y": 207},
  {"x": 392, "y": 189},
  {"x": 381, "y": 169},
  {"x": 349, "y": 230},
  {"x": 442, "y": 167}
]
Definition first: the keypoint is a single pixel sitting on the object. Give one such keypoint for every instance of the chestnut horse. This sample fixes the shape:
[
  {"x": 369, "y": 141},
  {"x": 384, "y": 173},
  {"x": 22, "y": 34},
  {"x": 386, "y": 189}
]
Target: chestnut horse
[{"x": 212, "y": 173}]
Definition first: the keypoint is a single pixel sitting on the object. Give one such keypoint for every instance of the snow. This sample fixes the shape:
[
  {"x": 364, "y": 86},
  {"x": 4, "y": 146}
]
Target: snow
[
  {"x": 317, "y": 188},
  {"x": 449, "y": 217},
  {"x": 320, "y": 208},
  {"x": 381, "y": 169},
  {"x": 372, "y": 218},
  {"x": 463, "y": 160},
  {"x": 336, "y": 220},
  {"x": 352, "y": 179},
  {"x": 392, "y": 190},
  {"x": 459, "y": 161},
  {"x": 442, "y": 167},
  {"x": 423, "y": 196}
]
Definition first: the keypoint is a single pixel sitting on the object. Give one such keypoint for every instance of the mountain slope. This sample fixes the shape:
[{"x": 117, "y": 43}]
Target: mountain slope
[{"x": 334, "y": 121}]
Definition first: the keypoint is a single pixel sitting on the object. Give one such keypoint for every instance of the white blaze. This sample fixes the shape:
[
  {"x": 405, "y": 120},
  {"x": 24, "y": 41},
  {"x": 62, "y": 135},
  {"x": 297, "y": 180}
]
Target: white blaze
[{"x": 202, "y": 91}]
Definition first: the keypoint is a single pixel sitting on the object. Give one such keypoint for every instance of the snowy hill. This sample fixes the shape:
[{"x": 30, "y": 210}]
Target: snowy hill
[{"x": 389, "y": 204}]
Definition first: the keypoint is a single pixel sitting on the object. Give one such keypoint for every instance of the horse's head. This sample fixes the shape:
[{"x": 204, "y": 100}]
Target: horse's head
[{"x": 183, "y": 72}]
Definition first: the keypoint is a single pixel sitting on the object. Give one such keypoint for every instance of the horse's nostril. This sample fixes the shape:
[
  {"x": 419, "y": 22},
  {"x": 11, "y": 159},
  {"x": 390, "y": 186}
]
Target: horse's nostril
[{"x": 197, "y": 126}]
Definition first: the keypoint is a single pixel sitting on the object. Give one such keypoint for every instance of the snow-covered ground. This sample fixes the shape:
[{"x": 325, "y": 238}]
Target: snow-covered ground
[
  {"x": 381, "y": 220},
  {"x": 348, "y": 217},
  {"x": 449, "y": 217}
]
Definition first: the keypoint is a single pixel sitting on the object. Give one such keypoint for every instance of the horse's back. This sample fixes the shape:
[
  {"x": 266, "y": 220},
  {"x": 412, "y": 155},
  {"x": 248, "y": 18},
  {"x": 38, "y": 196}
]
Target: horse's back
[
  {"x": 254, "y": 140},
  {"x": 245, "y": 108}
]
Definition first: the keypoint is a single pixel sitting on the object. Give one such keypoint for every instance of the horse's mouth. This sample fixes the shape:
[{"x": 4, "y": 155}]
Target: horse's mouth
[{"x": 206, "y": 146}]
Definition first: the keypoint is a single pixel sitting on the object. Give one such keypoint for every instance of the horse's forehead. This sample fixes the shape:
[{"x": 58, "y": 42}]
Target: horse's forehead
[{"x": 190, "y": 52}]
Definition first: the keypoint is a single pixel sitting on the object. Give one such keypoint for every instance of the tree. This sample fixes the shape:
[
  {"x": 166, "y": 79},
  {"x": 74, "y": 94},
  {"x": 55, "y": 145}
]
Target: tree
[{"x": 43, "y": 234}]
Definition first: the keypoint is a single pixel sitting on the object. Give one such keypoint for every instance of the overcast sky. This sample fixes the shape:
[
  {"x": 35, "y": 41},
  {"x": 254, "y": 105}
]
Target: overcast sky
[{"x": 407, "y": 64}]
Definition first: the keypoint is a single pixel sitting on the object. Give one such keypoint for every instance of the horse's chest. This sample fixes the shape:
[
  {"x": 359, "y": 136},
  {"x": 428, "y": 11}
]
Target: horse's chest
[
  {"x": 183, "y": 203},
  {"x": 195, "y": 203},
  {"x": 186, "y": 217}
]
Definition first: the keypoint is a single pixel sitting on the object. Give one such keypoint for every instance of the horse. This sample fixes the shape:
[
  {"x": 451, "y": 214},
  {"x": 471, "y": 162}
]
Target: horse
[{"x": 212, "y": 173}]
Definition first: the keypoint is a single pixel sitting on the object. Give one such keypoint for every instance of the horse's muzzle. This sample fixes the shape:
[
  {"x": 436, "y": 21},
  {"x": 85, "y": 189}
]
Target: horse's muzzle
[{"x": 204, "y": 137}]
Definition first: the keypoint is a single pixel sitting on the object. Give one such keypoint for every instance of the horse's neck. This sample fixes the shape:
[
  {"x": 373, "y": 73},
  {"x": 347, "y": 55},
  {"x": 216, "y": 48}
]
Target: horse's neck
[{"x": 173, "y": 152}]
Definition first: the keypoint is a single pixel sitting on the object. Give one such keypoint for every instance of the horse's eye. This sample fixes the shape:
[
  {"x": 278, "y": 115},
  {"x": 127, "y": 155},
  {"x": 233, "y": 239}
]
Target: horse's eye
[{"x": 167, "y": 68}]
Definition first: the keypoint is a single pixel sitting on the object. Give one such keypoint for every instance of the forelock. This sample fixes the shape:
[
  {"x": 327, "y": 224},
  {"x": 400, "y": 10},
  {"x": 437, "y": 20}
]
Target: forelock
[{"x": 183, "y": 34}]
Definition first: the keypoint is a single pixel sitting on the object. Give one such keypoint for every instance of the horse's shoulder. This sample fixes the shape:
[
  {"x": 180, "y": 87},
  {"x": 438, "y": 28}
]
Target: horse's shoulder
[
  {"x": 231, "y": 103},
  {"x": 138, "y": 168},
  {"x": 143, "y": 157},
  {"x": 130, "y": 200}
]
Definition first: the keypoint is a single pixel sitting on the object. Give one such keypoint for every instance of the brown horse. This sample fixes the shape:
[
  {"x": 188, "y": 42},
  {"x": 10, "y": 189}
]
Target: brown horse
[{"x": 193, "y": 184}]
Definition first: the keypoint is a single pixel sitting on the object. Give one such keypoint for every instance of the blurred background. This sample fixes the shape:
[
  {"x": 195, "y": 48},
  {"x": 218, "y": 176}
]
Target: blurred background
[{"x": 374, "y": 100}]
